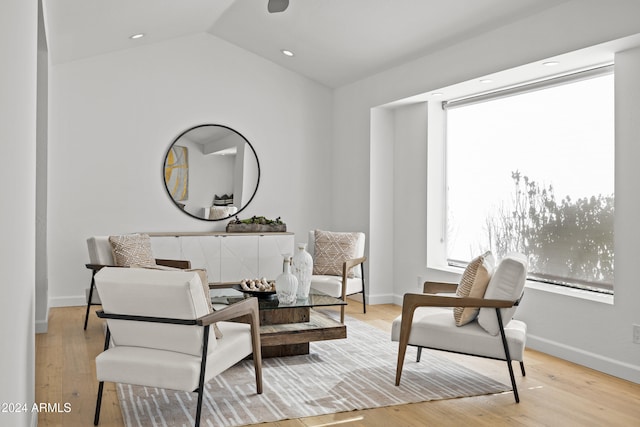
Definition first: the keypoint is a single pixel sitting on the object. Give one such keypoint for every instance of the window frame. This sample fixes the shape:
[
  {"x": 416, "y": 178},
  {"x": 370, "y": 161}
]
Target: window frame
[{"x": 518, "y": 89}]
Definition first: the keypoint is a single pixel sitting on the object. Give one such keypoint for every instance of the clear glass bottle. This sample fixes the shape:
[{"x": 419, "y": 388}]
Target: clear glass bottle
[
  {"x": 302, "y": 268},
  {"x": 286, "y": 283}
]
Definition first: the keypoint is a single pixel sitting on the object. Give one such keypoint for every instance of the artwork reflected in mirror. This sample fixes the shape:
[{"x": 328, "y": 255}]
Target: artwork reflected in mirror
[
  {"x": 176, "y": 174},
  {"x": 211, "y": 172}
]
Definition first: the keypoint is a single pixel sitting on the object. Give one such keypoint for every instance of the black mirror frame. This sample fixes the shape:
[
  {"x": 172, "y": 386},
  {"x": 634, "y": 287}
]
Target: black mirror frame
[{"x": 164, "y": 162}]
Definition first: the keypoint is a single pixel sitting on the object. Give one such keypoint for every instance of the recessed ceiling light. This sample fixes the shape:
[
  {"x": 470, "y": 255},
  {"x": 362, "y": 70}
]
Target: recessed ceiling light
[
  {"x": 286, "y": 52},
  {"x": 550, "y": 63},
  {"x": 437, "y": 94},
  {"x": 137, "y": 36},
  {"x": 486, "y": 81}
]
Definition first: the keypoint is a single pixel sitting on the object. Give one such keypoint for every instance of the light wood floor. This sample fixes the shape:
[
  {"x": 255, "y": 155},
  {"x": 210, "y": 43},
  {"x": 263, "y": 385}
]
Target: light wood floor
[{"x": 554, "y": 392}]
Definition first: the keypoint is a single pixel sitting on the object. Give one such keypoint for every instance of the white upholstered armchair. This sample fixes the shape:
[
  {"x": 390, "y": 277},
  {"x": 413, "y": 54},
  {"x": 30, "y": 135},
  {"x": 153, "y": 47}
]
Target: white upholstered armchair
[
  {"x": 483, "y": 327},
  {"x": 160, "y": 332},
  {"x": 338, "y": 264},
  {"x": 101, "y": 255}
]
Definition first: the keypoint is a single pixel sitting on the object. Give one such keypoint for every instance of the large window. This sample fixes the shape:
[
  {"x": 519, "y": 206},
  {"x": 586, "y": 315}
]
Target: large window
[{"x": 532, "y": 170}]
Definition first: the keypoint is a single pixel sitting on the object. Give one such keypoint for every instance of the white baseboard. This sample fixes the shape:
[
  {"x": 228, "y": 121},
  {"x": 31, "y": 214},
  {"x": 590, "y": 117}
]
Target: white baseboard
[
  {"x": 42, "y": 326},
  {"x": 67, "y": 301},
  {"x": 591, "y": 360},
  {"x": 397, "y": 300},
  {"x": 375, "y": 299}
]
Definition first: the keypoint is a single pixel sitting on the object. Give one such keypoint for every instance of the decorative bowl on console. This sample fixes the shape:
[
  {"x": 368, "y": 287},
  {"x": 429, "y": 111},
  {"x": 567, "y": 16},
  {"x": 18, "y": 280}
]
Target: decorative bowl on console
[{"x": 256, "y": 224}]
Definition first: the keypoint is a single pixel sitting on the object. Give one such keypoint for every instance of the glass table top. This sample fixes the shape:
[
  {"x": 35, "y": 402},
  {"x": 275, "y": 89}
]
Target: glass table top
[{"x": 316, "y": 299}]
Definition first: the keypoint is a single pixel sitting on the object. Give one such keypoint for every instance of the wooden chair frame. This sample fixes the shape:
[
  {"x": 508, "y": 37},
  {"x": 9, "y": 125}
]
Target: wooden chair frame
[
  {"x": 245, "y": 311},
  {"x": 97, "y": 267},
  {"x": 429, "y": 299},
  {"x": 346, "y": 266}
]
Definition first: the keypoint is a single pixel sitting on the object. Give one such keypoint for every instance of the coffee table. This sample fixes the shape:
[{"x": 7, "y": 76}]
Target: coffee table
[{"x": 287, "y": 330}]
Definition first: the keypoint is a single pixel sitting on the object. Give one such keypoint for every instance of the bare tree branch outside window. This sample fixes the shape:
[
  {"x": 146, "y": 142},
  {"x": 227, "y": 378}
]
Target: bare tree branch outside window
[{"x": 566, "y": 238}]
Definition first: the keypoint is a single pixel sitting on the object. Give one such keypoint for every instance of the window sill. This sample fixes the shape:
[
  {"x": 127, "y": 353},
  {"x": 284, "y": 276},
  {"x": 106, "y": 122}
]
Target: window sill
[
  {"x": 451, "y": 274},
  {"x": 570, "y": 292}
]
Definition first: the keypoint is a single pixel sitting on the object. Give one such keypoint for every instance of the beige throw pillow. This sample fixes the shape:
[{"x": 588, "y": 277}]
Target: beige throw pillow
[
  {"x": 331, "y": 250},
  {"x": 473, "y": 284},
  {"x": 132, "y": 249}
]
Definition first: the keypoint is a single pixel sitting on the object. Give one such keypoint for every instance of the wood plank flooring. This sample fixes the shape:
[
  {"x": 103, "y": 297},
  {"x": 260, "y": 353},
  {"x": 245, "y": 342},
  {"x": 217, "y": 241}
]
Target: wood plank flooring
[{"x": 554, "y": 392}]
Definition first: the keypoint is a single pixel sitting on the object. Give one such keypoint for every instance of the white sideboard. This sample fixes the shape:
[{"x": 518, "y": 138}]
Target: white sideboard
[{"x": 227, "y": 257}]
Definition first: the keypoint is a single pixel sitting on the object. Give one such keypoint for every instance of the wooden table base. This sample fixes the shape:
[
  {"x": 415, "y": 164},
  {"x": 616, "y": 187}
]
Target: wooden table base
[
  {"x": 285, "y": 350},
  {"x": 288, "y": 332}
]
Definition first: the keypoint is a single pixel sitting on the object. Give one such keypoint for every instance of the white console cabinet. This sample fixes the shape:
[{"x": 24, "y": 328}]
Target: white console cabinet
[{"x": 227, "y": 257}]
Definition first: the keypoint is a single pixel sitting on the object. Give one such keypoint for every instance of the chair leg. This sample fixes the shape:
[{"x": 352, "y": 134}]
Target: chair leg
[
  {"x": 524, "y": 374},
  {"x": 199, "y": 408},
  {"x": 402, "y": 350},
  {"x": 257, "y": 351},
  {"x": 342, "y": 314},
  {"x": 405, "y": 330},
  {"x": 93, "y": 285},
  {"x": 203, "y": 367},
  {"x": 507, "y": 356},
  {"x": 364, "y": 292},
  {"x": 96, "y": 417},
  {"x": 86, "y": 316},
  {"x": 419, "y": 354},
  {"x": 513, "y": 383}
]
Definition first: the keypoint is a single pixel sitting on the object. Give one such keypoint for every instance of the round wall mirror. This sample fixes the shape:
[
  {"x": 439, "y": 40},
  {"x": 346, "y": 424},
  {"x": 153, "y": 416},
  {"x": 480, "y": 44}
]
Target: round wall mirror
[{"x": 211, "y": 172}]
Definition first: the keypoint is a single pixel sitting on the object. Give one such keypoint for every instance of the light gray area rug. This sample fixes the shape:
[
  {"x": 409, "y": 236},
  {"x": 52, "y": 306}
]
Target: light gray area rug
[{"x": 338, "y": 376}]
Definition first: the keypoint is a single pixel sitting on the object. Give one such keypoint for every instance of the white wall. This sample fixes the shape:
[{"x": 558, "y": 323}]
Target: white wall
[
  {"x": 42, "y": 134},
  {"x": 18, "y": 45},
  {"x": 595, "y": 335},
  {"x": 410, "y": 177},
  {"x": 381, "y": 212},
  {"x": 114, "y": 116}
]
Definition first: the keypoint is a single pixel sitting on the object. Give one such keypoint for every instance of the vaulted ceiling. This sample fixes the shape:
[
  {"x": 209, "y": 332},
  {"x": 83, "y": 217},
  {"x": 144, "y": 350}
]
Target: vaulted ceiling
[{"x": 334, "y": 42}]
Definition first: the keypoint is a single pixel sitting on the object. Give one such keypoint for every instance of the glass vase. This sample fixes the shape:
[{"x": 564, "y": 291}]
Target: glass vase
[
  {"x": 302, "y": 268},
  {"x": 286, "y": 283}
]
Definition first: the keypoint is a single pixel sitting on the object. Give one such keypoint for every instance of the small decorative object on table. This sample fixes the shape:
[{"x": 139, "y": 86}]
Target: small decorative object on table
[
  {"x": 286, "y": 283},
  {"x": 302, "y": 267},
  {"x": 256, "y": 224},
  {"x": 260, "y": 288}
]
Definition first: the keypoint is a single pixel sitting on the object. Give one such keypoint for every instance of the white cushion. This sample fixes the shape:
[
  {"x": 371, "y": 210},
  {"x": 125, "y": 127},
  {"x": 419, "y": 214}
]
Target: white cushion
[
  {"x": 155, "y": 293},
  {"x": 435, "y": 327},
  {"x": 332, "y": 285},
  {"x": 171, "y": 370},
  {"x": 507, "y": 283},
  {"x": 100, "y": 250},
  {"x": 360, "y": 243}
]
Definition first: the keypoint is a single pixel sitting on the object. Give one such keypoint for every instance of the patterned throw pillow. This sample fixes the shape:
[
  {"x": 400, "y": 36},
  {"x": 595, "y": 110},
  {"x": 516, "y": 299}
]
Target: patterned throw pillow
[
  {"x": 132, "y": 249},
  {"x": 473, "y": 284},
  {"x": 331, "y": 250}
]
